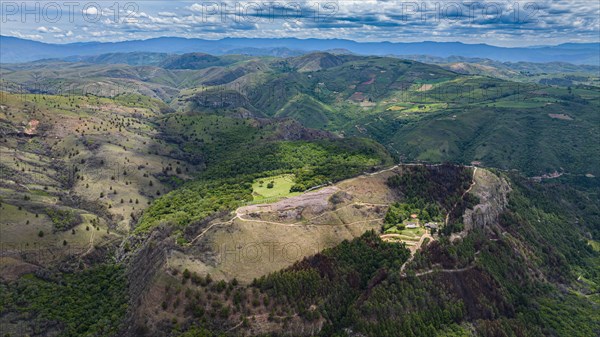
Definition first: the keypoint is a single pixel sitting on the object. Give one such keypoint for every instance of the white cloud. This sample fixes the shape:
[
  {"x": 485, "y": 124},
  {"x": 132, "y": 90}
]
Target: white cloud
[
  {"x": 362, "y": 20},
  {"x": 44, "y": 30},
  {"x": 91, "y": 10},
  {"x": 64, "y": 35},
  {"x": 196, "y": 8},
  {"x": 27, "y": 36}
]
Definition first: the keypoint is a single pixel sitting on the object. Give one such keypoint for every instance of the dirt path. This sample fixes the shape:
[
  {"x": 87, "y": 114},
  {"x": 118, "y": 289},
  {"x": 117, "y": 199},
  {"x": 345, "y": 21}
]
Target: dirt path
[
  {"x": 211, "y": 226},
  {"x": 387, "y": 236},
  {"x": 239, "y": 216},
  {"x": 461, "y": 197},
  {"x": 91, "y": 242},
  {"x": 384, "y": 170},
  {"x": 299, "y": 224},
  {"x": 399, "y": 165},
  {"x": 460, "y": 270},
  {"x": 416, "y": 248},
  {"x": 237, "y": 326}
]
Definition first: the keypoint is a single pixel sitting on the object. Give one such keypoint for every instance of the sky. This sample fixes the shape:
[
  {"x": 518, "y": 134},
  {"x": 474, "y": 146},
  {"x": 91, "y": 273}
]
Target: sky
[{"x": 500, "y": 22}]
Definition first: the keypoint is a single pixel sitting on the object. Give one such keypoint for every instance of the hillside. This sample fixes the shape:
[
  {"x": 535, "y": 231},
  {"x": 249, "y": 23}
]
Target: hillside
[
  {"x": 321, "y": 194},
  {"x": 420, "y": 112},
  {"x": 496, "y": 269}
]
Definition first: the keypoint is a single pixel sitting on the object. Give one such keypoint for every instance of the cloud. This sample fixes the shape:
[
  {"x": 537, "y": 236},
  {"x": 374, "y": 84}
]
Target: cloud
[
  {"x": 26, "y": 36},
  {"x": 91, "y": 10},
  {"x": 44, "y": 30},
  {"x": 196, "y": 8},
  {"x": 507, "y": 22},
  {"x": 64, "y": 35}
]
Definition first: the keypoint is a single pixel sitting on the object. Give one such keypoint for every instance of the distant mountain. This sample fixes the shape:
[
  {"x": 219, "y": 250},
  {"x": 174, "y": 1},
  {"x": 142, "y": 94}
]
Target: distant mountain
[
  {"x": 20, "y": 50},
  {"x": 191, "y": 61},
  {"x": 527, "y": 67},
  {"x": 132, "y": 59},
  {"x": 316, "y": 61},
  {"x": 277, "y": 52}
]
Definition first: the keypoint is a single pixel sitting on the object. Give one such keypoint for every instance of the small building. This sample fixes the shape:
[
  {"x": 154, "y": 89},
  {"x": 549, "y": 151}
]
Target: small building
[
  {"x": 431, "y": 225},
  {"x": 411, "y": 225}
]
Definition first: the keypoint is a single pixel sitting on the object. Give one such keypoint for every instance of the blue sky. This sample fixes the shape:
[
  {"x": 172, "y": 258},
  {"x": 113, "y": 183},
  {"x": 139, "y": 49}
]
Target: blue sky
[{"x": 500, "y": 22}]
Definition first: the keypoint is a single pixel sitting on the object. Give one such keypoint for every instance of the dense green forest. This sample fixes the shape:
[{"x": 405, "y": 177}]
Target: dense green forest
[{"x": 91, "y": 302}]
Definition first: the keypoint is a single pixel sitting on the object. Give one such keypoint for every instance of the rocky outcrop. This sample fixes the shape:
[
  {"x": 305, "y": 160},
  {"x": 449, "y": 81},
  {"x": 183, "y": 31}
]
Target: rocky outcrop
[
  {"x": 143, "y": 266},
  {"x": 492, "y": 191}
]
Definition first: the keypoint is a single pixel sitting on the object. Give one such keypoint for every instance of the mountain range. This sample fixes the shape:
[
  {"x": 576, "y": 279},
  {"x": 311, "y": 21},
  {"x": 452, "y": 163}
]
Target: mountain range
[{"x": 20, "y": 50}]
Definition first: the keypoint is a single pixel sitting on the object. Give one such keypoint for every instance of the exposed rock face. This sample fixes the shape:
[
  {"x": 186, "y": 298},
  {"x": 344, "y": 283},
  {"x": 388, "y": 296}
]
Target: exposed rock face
[
  {"x": 143, "y": 267},
  {"x": 492, "y": 192}
]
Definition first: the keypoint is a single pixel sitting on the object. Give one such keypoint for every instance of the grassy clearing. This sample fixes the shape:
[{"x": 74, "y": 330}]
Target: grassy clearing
[
  {"x": 396, "y": 108},
  {"x": 407, "y": 108},
  {"x": 273, "y": 187},
  {"x": 414, "y": 233}
]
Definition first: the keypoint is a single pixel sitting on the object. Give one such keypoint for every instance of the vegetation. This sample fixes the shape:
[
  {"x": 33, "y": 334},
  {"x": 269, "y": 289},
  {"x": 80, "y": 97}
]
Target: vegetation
[
  {"x": 204, "y": 135},
  {"x": 399, "y": 212},
  {"x": 62, "y": 219},
  {"x": 269, "y": 188},
  {"x": 228, "y": 184},
  {"x": 433, "y": 191},
  {"x": 492, "y": 288},
  {"x": 87, "y": 303},
  {"x": 333, "y": 280}
]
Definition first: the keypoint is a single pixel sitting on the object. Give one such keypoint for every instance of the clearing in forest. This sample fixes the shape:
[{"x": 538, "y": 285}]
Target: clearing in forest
[{"x": 271, "y": 188}]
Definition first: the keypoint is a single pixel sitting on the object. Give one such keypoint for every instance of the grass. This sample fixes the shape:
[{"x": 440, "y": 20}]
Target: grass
[
  {"x": 280, "y": 187},
  {"x": 595, "y": 245},
  {"x": 21, "y": 228},
  {"x": 414, "y": 233},
  {"x": 396, "y": 108}
]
